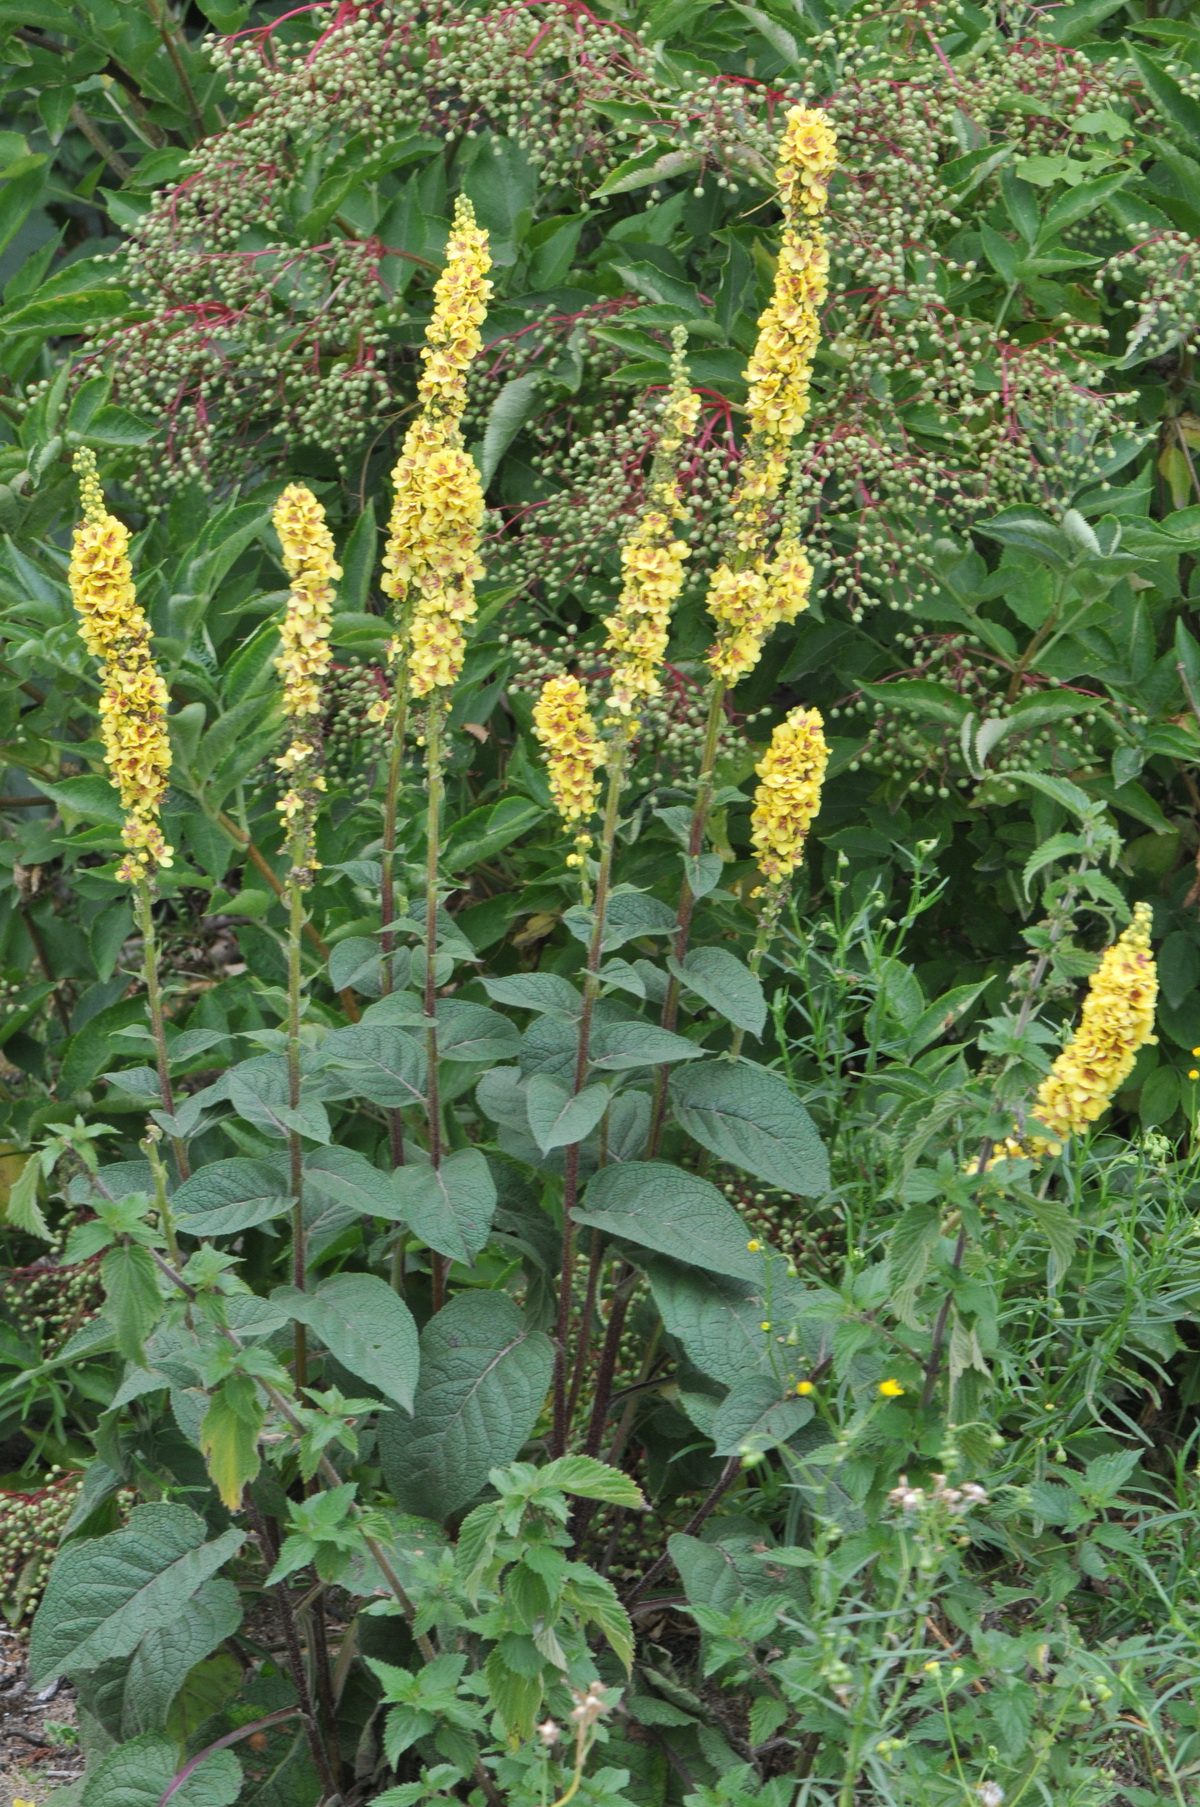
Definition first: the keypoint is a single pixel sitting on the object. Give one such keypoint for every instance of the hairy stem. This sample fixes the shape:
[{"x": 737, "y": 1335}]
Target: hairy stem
[
  {"x": 295, "y": 1146},
  {"x": 144, "y": 915},
  {"x": 387, "y": 890},
  {"x": 591, "y": 989},
  {"x": 437, "y": 786}
]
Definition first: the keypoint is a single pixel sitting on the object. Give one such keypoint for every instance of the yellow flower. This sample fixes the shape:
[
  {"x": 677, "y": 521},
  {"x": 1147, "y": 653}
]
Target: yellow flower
[
  {"x": 1116, "y": 1021},
  {"x": 573, "y": 753},
  {"x": 432, "y": 556},
  {"x": 890, "y": 1389},
  {"x": 754, "y": 1245},
  {"x": 133, "y": 697},
  {"x": 308, "y": 560},
  {"x": 804, "y": 1388},
  {"x": 788, "y": 796},
  {"x": 748, "y": 596},
  {"x": 652, "y": 559}
]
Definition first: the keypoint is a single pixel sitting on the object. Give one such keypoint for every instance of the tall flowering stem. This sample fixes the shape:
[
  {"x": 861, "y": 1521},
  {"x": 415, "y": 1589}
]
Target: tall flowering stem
[
  {"x": 305, "y": 658},
  {"x": 430, "y": 567},
  {"x": 133, "y": 726},
  {"x": 752, "y": 592},
  {"x": 790, "y": 777}
]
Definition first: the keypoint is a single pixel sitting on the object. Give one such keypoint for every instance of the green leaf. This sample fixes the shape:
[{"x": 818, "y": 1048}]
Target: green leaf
[
  {"x": 1178, "y": 105},
  {"x": 138, "y": 1774},
  {"x": 383, "y": 1064},
  {"x": 134, "y": 1695},
  {"x": 469, "y": 1031},
  {"x": 449, "y": 1207},
  {"x": 619, "y": 1047},
  {"x": 748, "y": 1116},
  {"x": 935, "y": 702},
  {"x": 593, "y": 1480},
  {"x": 545, "y": 993},
  {"x": 629, "y": 914},
  {"x": 910, "y": 1250},
  {"x": 1059, "y": 790},
  {"x": 18, "y": 198},
  {"x": 646, "y": 169},
  {"x": 1054, "y": 1219},
  {"x": 676, "y": 1213},
  {"x": 486, "y": 832},
  {"x": 23, "y": 1211},
  {"x": 106, "y": 1594},
  {"x": 508, "y": 414},
  {"x": 230, "y": 1196},
  {"x": 484, "y": 1376},
  {"x": 259, "y": 1093},
  {"x": 133, "y": 1303},
  {"x": 754, "y": 1416},
  {"x": 726, "y": 983},
  {"x": 229, "y": 1436},
  {"x": 64, "y": 315},
  {"x": 557, "y": 1116},
  {"x": 365, "y": 1325},
  {"x": 89, "y": 796}
]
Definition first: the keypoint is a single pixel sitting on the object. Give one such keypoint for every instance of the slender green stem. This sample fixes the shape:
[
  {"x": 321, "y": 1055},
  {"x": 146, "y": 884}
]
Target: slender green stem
[
  {"x": 295, "y": 895},
  {"x": 687, "y": 899},
  {"x": 437, "y": 785},
  {"x": 144, "y": 914},
  {"x": 166, "y": 30},
  {"x": 591, "y": 988},
  {"x": 388, "y": 888}
]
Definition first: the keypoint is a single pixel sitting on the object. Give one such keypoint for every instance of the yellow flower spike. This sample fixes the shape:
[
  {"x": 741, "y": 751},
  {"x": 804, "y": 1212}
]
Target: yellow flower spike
[
  {"x": 308, "y": 559},
  {"x": 1116, "y": 1021},
  {"x": 133, "y": 697},
  {"x": 432, "y": 556},
  {"x": 890, "y": 1389},
  {"x": 748, "y": 596},
  {"x": 652, "y": 559},
  {"x": 788, "y": 795},
  {"x": 574, "y": 753}
]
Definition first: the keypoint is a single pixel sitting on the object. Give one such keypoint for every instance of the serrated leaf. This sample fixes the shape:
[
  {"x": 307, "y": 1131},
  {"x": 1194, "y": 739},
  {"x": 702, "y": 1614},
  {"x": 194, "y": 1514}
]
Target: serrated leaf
[
  {"x": 484, "y": 1376},
  {"x": 135, "y": 1695},
  {"x": 139, "y": 1774},
  {"x": 106, "y": 1594},
  {"x": 748, "y": 1116},
  {"x": 133, "y": 1303},
  {"x": 910, "y": 1249},
  {"x": 365, "y": 1325},
  {"x": 449, "y": 1207},
  {"x": 593, "y": 1480},
  {"x": 229, "y": 1433},
  {"x": 22, "y": 1211}
]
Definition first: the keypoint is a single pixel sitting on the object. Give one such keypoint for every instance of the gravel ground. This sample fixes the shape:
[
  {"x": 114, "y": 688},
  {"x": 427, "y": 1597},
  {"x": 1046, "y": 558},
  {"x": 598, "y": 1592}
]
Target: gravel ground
[{"x": 37, "y": 1754}]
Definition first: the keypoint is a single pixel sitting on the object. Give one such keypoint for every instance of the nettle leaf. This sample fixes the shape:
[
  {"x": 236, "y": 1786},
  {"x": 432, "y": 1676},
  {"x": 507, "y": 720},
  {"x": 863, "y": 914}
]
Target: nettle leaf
[
  {"x": 259, "y": 1093},
  {"x": 106, "y": 1594},
  {"x": 133, "y": 1303},
  {"x": 657, "y": 1206},
  {"x": 365, "y": 1325},
  {"x": 383, "y": 1064},
  {"x": 134, "y": 1695},
  {"x": 749, "y": 1117},
  {"x": 138, "y": 1774},
  {"x": 593, "y": 1480},
  {"x": 725, "y": 982},
  {"x": 558, "y": 1116},
  {"x": 449, "y": 1207},
  {"x": 484, "y": 1376},
  {"x": 910, "y": 1251},
  {"x": 755, "y": 1416},
  {"x": 228, "y": 1437},
  {"x": 231, "y": 1196}
]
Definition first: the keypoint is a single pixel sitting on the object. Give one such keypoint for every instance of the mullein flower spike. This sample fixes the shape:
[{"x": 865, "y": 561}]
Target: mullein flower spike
[
  {"x": 1116, "y": 1021},
  {"x": 574, "y": 754},
  {"x": 133, "y": 697},
  {"x": 750, "y": 595},
  {"x": 308, "y": 559},
  {"x": 432, "y": 557},
  {"x": 788, "y": 795},
  {"x": 652, "y": 560}
]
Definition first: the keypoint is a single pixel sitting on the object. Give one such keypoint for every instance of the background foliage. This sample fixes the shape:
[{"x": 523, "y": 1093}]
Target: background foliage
[{"x": 217, "y": 260}]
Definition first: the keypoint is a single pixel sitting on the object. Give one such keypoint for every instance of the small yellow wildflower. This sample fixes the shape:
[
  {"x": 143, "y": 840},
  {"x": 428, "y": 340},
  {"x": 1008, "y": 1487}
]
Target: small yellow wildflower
[
  {"x": 308, "y": 559},
  {"x": 1194, "y": 1073},
  {"x": 574, "y": 754},
  {"x": 890, "y": 1389},
  {"x": 788, "y": 796},
  {"x": 652, "y": 559},
  {"x": 932, "y": 1668},
  {"x": 754, "y": 1245},
  {"x": 133, "y": 697},
  {"x": 432, "y": 556},
  {"x": 804, "y": 1388},
  {"x": 766, "y": 1324},
  {"x": 1116, "y": 1021}
]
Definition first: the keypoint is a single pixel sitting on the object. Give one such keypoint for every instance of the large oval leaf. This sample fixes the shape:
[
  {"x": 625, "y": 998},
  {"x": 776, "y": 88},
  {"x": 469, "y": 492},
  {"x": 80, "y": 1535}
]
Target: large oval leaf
[{"x": 747, "y": 1116}]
